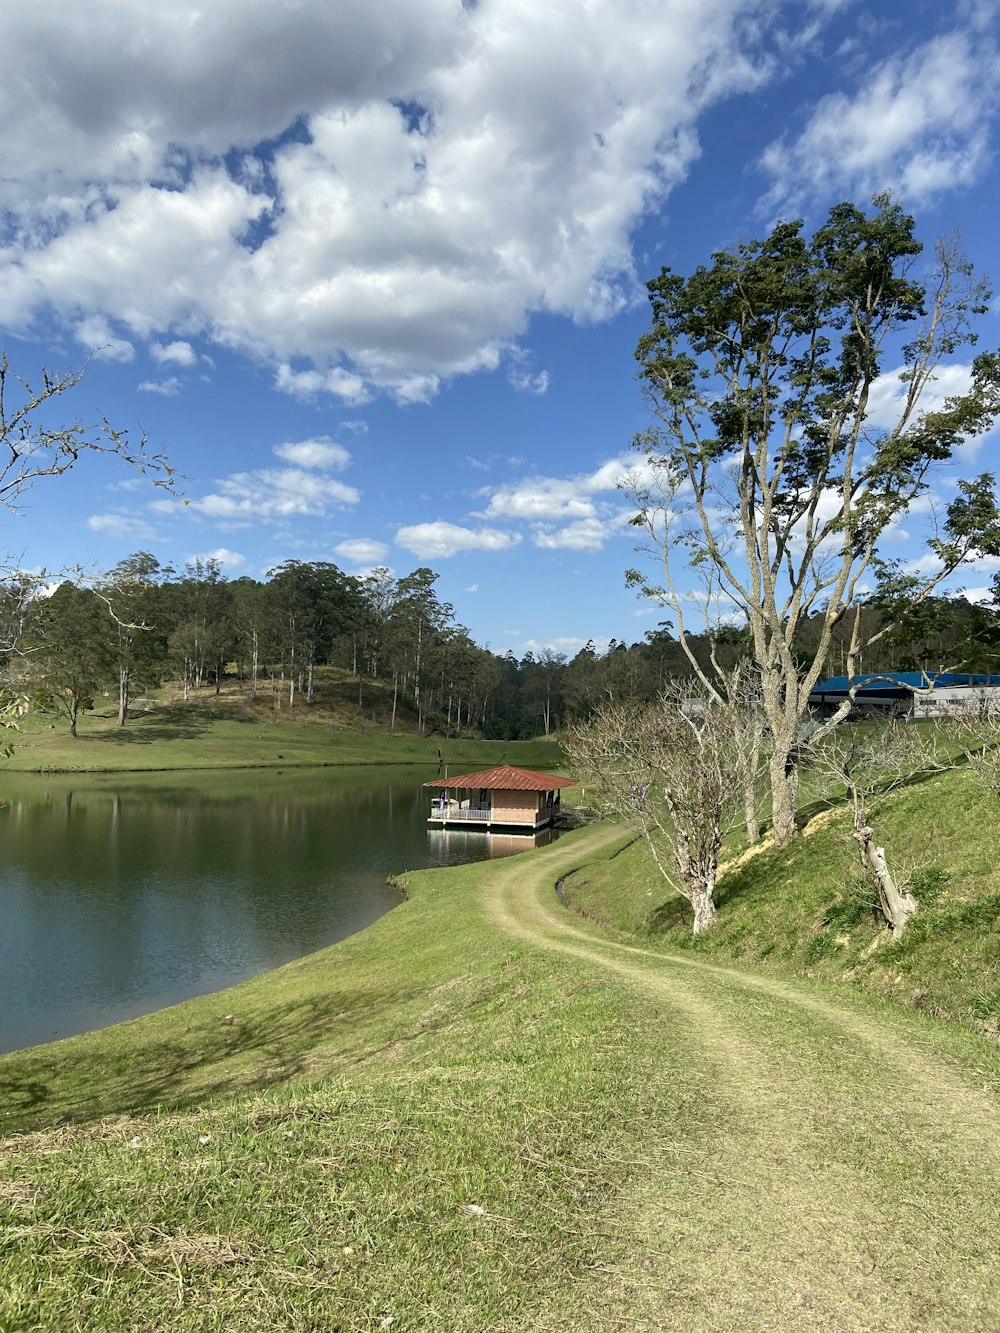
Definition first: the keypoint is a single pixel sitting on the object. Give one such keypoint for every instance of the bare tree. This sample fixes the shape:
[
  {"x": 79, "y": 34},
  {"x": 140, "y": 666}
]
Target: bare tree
[
  {"x": 870, "y": 762},
  {"x": 675, "y": 770},
  {"x": 31, "y": 449},
  {"x": 974, "y": 730}
]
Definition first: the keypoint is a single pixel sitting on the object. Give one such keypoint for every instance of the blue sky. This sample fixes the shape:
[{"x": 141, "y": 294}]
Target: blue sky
[{"x": 372, "y": 276}]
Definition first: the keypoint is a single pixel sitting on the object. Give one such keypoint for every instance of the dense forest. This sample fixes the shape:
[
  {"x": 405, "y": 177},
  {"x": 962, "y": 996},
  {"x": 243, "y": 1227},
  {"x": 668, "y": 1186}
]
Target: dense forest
[{"x": 143, "y": 625}]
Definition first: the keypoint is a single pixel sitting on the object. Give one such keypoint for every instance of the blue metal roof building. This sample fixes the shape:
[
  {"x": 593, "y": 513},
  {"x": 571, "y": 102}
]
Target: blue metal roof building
[{"x": 899, "y": 689}]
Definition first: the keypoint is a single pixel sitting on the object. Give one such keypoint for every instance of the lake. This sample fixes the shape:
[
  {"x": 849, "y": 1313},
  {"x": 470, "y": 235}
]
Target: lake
[{"x": 120, "y": 894}]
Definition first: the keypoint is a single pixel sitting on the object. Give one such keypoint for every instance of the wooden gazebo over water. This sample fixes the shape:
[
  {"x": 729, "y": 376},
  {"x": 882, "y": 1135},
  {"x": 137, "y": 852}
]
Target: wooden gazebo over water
[{"x": 504, "y": 797}]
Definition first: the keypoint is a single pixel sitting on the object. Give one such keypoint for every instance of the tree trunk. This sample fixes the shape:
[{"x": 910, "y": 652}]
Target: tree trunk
[
  {"x": 703, "y": 902},
  {"x": 253, "y": 666},
  {"x": 751, "y": 794},
  {"x": 395, "y": 692},
  {"x": 897, "y": 906},
  {"x": 751, "y": 819},
  {"x": 123, "y": 695},
  {"x": 784, "y": 776}
]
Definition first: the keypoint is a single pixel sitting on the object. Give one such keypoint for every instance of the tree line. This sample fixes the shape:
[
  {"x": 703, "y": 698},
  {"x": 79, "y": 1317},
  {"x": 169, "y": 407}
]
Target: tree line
[{"x": 143, "y": 624}]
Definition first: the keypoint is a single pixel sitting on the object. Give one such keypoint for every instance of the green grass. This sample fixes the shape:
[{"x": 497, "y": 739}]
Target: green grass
[
  {"x": 418, "y": 1127},
  {"x": 809, "y": 910}
]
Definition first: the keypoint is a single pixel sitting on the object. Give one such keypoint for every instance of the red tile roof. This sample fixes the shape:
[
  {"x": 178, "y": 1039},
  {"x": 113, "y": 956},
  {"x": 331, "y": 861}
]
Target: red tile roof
[{"x": 505, "y": 778}]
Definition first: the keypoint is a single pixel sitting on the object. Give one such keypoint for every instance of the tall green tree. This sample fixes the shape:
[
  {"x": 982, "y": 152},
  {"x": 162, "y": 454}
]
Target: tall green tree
[
  {"x": 201, "y": 638},
  {"x": 70, "y": 657},
  {"x": 137, "y": 647},
  {"x": 419, "y": 618},
  {"x": 766, "y": 471}
]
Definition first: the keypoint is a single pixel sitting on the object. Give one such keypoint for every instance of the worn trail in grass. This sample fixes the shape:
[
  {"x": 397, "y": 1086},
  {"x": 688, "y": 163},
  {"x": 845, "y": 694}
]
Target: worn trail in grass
[{"x": 847, "y": 1174}]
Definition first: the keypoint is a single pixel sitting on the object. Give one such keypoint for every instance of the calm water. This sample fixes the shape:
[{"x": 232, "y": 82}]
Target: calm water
[{"x": 121, "y": 894}]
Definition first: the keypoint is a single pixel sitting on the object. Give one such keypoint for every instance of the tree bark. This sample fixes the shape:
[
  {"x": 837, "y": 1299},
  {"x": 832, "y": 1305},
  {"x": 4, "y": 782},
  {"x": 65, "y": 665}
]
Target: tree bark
[
  {"x": 705, "y": 913},
  {"x": 123, "y": 695},
  {"x": 784, "y": 777},
  {"x": 253, "y": 663}
]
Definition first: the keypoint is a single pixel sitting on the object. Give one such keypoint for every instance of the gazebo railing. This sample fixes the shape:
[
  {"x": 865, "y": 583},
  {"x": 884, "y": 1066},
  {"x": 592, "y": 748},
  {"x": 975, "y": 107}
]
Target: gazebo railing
[{"x": 439, "y": 811}]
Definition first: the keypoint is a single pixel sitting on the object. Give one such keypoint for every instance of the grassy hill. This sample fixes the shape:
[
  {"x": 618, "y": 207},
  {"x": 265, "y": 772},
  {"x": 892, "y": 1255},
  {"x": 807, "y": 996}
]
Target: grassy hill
[
  {"x": 808, "y": 910},
  {"x": 228, "y": 731}
]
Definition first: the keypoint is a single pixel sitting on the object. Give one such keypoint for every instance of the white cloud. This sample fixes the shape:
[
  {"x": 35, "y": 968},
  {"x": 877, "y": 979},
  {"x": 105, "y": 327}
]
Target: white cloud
[
  {"x": 336, "y": 380},
  {"x": 568, "y": 644},
  {"x": 540, "y": 498},
  {"x": 125, "y": 526},
  {"x": 520, "y": 378},
  {"x": 269, "y": 495},
  {"x": 95, "y": 334},
  {"x": 547, "y": 498},
  {"x": 524, "y": 382},
  {"x": 362, "y": 551},
  {"x": 416, "y": 388},
  {"x": 455, "y": 169},
  {"x": 177, "y": 353},
  {"x": 320, "y": 453},
  {"x": 168, "y": 387},
  {"x": 977, "y": 564},
  {"x": 919, "y": 123},
  {"x": 981, "y": 596},
  {"x": 587, "y": 534},
  {"x": 439, "y": 540},
  {"x": 229, "y": 560}
]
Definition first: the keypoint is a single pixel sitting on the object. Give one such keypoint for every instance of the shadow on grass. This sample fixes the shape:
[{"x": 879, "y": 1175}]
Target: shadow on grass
[
  {"x": 165, "y": 728},
  {"x": 121, "y": 1076}
]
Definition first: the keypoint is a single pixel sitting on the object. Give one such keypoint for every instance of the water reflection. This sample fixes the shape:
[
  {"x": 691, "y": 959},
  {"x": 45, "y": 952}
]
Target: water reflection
[
  {"x": 122, "y": 894},
  {"x": 456, "y": 846}
]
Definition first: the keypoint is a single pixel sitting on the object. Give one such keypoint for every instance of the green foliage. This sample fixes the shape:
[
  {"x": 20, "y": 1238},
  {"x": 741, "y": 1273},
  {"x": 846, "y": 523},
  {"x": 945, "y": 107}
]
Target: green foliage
[{"x": 823, "y": 945}]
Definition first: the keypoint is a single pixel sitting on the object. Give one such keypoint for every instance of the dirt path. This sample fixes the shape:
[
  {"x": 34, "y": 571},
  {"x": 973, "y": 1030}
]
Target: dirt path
[{"x": 807, "y": 1162}]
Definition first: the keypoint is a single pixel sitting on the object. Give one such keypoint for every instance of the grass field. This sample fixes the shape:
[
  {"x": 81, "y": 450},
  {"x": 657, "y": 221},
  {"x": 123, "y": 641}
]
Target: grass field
[{"x": 201, "y": 735}]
